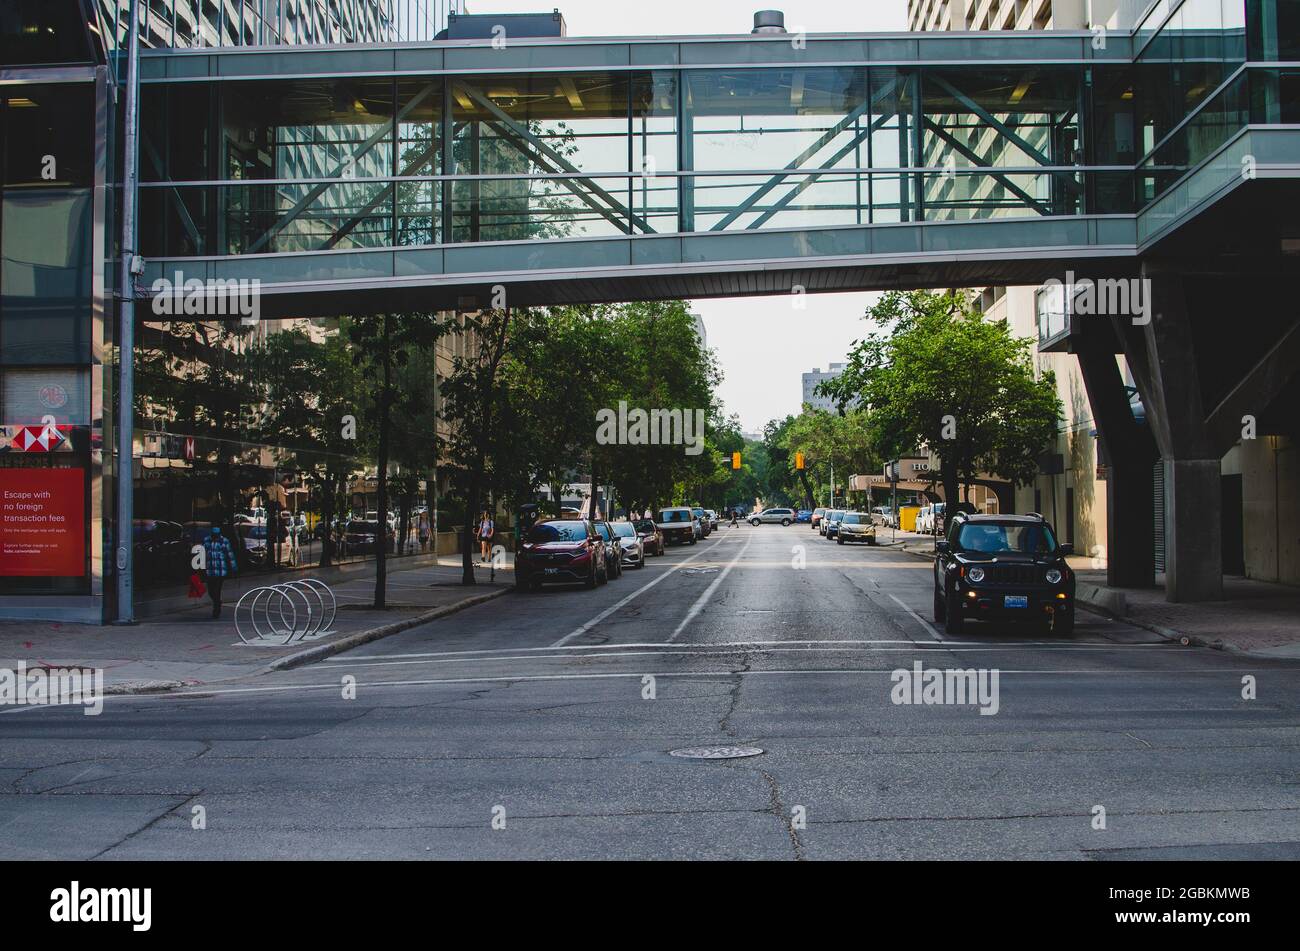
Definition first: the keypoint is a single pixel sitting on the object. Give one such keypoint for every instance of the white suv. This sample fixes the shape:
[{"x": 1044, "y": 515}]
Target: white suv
[{"x": 772, "y": 517}]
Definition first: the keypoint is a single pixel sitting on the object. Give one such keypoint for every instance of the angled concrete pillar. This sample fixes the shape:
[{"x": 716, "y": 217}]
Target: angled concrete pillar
[
  {"x": 1131, "y": 454},
  {"x": 1168, "y": 377}
]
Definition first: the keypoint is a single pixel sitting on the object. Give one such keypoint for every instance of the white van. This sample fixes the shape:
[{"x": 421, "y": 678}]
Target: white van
[{"x": 678, "y": 525}]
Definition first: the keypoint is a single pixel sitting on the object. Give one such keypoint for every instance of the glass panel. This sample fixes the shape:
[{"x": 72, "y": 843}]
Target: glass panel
[
  {"x": 967, "y": 196},
  {"x": 654, "y": 122},
  {"x": 794, "y": 201},
  {"x": 518, "y": 209},
  {"x": 45, "y": 277},
  {"x": 1016, "y": 118},
  {"x": 540, "y": 123},
  {"x": 307, "y": 129},
  {"x": 39, "y": 32},
  {"x": 277, "y": 218},
  {"x": 48, "y": 134},
  {"x": 31, "y": 397},
  {"x": 777, "y": 118},
  {"x": 176, "y": 131},
  {"x": 419, "y": 126},
  {"x": 1274, "y": 30}
]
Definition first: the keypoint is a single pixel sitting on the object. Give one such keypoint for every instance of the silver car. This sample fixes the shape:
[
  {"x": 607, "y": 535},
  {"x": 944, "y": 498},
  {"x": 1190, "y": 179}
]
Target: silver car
[
  {"x": 772, "y": 517},
  {"x": 631, "y": 546}
]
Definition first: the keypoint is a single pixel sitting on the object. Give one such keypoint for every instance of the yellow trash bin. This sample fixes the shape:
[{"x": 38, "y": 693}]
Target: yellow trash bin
[{"x": 907, "y": 517}]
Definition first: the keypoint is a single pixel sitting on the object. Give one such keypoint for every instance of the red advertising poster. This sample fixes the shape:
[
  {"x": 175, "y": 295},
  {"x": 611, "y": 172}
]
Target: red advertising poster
[{"x": 43, "y": 522}]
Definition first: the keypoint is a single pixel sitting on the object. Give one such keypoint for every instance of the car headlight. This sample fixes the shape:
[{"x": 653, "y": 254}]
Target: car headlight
[
  {"x": 976, "y": 575},
  {"x": 1053, "y": 576}
]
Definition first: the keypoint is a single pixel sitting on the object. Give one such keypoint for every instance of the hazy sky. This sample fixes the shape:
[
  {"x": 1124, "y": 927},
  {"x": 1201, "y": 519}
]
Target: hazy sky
[{"x": 762, "y": 343}]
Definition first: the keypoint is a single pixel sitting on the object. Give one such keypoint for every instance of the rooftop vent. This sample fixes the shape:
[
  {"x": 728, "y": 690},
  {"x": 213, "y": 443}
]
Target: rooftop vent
[{"x": 769, "y": 21}]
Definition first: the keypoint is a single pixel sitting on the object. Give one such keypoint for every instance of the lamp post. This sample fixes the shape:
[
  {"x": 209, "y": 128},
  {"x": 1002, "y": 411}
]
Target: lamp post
[{"x": 131, "y": 265}]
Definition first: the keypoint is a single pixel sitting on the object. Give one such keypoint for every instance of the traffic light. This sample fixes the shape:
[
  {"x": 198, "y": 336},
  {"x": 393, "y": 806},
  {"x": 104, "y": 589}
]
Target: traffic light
[
  {"x": 798, "y": 460},
  {"x": 735, "y": 460}
]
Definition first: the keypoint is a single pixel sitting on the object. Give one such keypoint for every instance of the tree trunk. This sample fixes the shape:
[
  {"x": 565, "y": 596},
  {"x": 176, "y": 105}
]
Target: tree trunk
[
  {"x": 471, "y": 516},
  {"x": 950, "y": 483},
  {"x": 381, "y": 537},
  {"x": 807, "y": 489}
]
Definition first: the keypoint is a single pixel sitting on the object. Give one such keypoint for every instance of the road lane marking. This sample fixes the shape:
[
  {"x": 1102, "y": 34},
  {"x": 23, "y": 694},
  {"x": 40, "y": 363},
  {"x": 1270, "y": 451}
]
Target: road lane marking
[
  {"x": 578, "y": 632},
  {"x": 199, "y": 693},
  {"x": 745, "y": 645},
  {"x": 685, "y": 650},
  {"x": 920, "y": 620},
  {"x": 703, "y": 599}
]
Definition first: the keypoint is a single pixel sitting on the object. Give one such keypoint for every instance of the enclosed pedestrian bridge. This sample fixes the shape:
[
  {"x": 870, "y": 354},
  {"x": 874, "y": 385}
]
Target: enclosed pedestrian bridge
[{"x": 586, "y": 169}]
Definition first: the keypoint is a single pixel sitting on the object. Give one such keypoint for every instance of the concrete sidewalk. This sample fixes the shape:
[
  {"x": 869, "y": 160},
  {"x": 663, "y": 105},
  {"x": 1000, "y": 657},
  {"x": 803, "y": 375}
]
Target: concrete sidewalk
[
  {"x": 1255, "y": 617},
  {"x": 189, "y": 647}
]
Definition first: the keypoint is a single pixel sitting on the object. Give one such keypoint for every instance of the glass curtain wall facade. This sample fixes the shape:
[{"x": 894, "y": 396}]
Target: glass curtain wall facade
[
  {"x": 215, "y": 442},
  {"x": 195, "y": 23},
  {"x": 53, "y": 331}
]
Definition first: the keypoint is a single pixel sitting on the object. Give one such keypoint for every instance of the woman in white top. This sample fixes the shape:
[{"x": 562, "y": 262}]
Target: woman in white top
[{"x": 486, "y": 529}]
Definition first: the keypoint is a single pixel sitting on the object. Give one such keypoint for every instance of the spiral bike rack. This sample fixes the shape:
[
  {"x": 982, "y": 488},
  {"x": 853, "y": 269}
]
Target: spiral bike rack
[{"x": 292, "y": 610}]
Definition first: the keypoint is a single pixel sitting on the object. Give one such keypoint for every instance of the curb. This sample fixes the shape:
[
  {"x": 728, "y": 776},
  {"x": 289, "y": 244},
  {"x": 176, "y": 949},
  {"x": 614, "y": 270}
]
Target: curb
[
  {"x": 1108, "y": 600},
  {"x": 321, "y": 651}
]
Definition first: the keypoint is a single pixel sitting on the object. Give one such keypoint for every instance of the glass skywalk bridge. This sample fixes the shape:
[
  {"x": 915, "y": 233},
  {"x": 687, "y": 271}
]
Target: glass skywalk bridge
[{"x": 587, "y": 169}]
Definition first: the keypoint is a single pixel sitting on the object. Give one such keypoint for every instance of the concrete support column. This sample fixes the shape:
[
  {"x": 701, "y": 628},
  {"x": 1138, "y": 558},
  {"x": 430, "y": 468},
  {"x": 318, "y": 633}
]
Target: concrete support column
[
  {"x": 1162, "y": 356},
  {"x": 1193, "y": 542},
  {"x": 1130, "y": 527},
  {"x": 1131, "y": 453}
]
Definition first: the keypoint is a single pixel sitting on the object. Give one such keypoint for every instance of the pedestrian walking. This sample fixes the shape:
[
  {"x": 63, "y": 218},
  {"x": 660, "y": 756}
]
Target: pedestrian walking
[
  {"x": 486, "y": 529},
  {"x": 219, "y": 562}
]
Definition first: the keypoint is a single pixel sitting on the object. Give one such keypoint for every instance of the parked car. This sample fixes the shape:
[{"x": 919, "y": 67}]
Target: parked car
[
  {"x": 361, "y": 537},
  {"x": 803, "y": 515},
  {"x": 613, "y": 550},
  {"x": 631, "y": 548},
  {"x": 565, "y": 550},
  {"x": 706, "y": 527},
  {"x": 856, "y": 527},
  {"x": 1003, "y": 568},
  {"x": 652, "y": 540},
  {"x": 817, "y": 516},
  {"x": 885, "y": 516},
  {"x": 713, "y": 519},
  {"x": 833, "y": 522},
  {"x": 678, "y": 525},
  {"x": 772, "y": 517}
]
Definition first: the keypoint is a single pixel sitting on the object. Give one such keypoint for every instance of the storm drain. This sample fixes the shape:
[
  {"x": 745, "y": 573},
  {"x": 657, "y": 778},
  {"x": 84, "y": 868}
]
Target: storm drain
[{"x": 716, "y": 752}]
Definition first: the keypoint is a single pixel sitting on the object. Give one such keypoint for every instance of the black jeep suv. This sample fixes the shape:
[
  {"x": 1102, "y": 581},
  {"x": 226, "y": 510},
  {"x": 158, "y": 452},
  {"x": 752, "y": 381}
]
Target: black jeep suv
[{"x": 1003, "y": 568}]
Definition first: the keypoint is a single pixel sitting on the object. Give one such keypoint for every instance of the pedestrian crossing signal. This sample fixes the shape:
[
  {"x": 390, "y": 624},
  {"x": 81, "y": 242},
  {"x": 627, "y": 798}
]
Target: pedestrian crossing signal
[
  {"x": 735, "y": 460},
  {"x": 798, "y": 460}
]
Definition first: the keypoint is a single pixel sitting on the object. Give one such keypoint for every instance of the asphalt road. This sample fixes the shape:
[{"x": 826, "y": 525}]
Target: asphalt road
[{"x": 528, "y": 727}]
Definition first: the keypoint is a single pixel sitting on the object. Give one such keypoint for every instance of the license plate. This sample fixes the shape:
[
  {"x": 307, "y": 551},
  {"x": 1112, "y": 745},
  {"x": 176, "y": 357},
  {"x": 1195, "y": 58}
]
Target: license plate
[
  {"x": 1015, "y": 601},
  {"x": 552, "y": 571}
]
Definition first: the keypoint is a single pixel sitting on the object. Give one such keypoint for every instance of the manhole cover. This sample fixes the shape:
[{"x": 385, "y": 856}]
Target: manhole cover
[{"x": 716, "y": 752}]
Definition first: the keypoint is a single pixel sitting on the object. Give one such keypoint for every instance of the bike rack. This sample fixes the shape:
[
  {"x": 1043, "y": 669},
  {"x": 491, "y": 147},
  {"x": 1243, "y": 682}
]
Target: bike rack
[{"x": 292, "y": 610}]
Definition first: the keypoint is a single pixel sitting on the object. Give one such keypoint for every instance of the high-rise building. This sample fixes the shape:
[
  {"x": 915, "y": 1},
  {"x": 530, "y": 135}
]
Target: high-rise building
[{"x": 811, "y": 380}]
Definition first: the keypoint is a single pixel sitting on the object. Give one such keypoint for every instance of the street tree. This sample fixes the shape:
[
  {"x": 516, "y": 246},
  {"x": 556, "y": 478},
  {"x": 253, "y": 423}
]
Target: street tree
[{"x": 934, "y": 373}]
